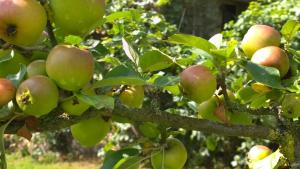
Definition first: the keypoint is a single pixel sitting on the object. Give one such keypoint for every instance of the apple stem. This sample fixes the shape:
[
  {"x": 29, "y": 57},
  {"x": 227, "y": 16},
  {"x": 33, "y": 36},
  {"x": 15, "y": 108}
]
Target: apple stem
[
  {"x": 49, "y": 27},
  {"x": 51, "y": 34}
]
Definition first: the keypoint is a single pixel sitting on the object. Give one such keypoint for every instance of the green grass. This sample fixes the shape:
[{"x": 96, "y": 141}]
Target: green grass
[{"x": 15, "y": 161}]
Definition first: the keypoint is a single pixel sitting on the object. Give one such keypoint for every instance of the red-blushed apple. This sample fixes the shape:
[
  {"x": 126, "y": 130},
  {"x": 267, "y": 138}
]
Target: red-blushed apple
[
  {"x": 272, "y": 56},
  {"x": 77, "y": 17},
  {"x": 259, "y": 36},
  {"x": 21, "y": 21},
  {"x": 198, "y": 83},
  {"x": 11, "y": 66},
  {"x": 70, "y": 67},
  {"x": 7, "y": 91}
]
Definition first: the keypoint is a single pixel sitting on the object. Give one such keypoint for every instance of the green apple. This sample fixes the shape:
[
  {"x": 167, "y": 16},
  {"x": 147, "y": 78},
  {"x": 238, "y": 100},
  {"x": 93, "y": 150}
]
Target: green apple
[
  {"x": 173, "y": 156},
  {"x": 258, "y": 152},
  {"x": 7, "y": 90},
  {"x": 70, "y": 67},
  {"x": 133, "y": 97},
  {"x": 37, "y": 96},
  {"x": 259, "y": 36},
  {"x": 198, "y": 83},
  {"x": 77, "y": 17},
  {"x": 272, "y": 56},
  {"x": 91, "y": 131},
  {"x": 37, "y": 67},
  {"x": 149, "y": 129},
  {"x": 21, "y": 21},
  {"x": 291, "y": 106},
  {"x": 75, "y": 106},
  {"x": 206, "y": 109},
  {"x": 11, "y": 66}
]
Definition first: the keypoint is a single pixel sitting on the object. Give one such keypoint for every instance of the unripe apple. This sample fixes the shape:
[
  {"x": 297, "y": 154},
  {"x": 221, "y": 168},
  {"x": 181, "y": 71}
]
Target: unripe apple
[
  {"x": 70, "y": 67},
  {"x": 173, "y": 156},
  {"x": 259, "y": 36},
  {"x": 7, "y": 91},
  {"x": 206, "y": 109},
  {"x": 77, "y": 17},
  {"x": 149, "y": 129},
  {"x": 214, "y": 110},
  {"x": 133, "y": 97},
  {"x": 198, "y": 83},
  {"x": 89, "y": 132},
  {"x": 272, "y": 56},
  {"x": 291, "y": 106},
  {"x": 21, "y": 21},
  {"x": 75, "y": 106},
  {"x": 258, "y": 152},
  {"x": 37, "y": 96},
  {"x": 37, "y": 67},
  {"x": 11, "y": 66}
]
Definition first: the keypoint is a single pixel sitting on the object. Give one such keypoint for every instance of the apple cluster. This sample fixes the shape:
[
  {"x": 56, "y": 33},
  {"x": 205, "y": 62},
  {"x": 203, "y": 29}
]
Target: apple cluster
[
  {"x": 67, "y": 68},
  {"x": 261, "y": 45}
]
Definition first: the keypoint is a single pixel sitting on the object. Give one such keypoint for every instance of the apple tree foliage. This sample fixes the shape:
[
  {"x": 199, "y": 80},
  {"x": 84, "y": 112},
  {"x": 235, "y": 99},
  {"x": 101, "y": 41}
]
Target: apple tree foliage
[
  {"x": 270, "y": 12},
  {"x": 136, "y": 80}
]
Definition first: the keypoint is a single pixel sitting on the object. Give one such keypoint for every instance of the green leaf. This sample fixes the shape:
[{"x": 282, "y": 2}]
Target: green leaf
[
  {"x": 120, "y": 71},
  {"x": 6, "y": 111},
  {"x": 113, "y": 157},
  {"x": 246, "y": 94},
  {"x": 120, "y": 75},
  {"x": 166, "y": 81},
  {"x": 225, "y": 52},
  {"x": 73, "y": 40},
  {"x": 17, "y": 78},
  {"x": 120, "y": 81},
  {"x": 99, "y": 51},
  {"x": 155, "y": 60},
  {"x": 193, "y": 41},
  {"x": 161, "y": 3},
  {"x": 97, "y": 101},
  {"x": 128, "y": 15},
  {"x": 7, "y": 57},
  {"x": 259, "y": 101},
  {"x": 211, "y": 143},
  {"x": 130, "y": 52},
  {"x": 290, "y": 29},
  {"x": 240, "y": 118},
  {"x": 132, "y": 162},
  {"x": 112, "y": 60},
  {"x": 266, "y": 75}
]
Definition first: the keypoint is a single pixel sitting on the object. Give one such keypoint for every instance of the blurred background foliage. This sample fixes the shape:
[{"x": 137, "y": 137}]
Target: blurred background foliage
[{"x": 146, "y": 23}]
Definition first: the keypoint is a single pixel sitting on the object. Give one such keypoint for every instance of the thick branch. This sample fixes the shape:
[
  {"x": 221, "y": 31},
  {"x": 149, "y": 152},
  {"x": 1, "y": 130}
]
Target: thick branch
[
  {"x": 237, "y": 107},
  {"x": 54, "y": 122}
]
